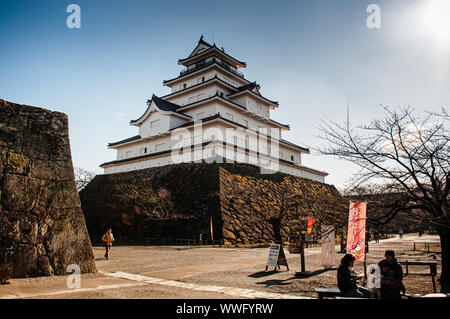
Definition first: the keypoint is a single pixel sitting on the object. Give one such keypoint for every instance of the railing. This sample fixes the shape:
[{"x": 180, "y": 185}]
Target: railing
[
  {"x": 211, "y": 61},
  {"x": 125, "y": 241},
  {"x": 433, "y": 247},
  {"x": 137, "y": 241}
]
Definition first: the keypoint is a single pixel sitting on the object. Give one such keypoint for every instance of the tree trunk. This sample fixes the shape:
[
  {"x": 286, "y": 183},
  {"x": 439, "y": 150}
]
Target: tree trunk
[
  {"x": 276, "y": 224},
  {"x": 444, "y": 280}
]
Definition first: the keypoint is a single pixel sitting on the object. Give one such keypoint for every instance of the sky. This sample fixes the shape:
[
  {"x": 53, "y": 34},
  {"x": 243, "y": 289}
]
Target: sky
[{"x": 317, "y": 58}]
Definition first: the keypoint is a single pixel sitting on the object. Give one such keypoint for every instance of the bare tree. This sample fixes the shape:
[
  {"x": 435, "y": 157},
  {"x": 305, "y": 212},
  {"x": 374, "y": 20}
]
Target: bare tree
[
  {"x": 406, "y": 154},
  {"x": 83, "y": 177},
  {"x": 316, "y": 200},
  {"x": 386, "y": 209}
]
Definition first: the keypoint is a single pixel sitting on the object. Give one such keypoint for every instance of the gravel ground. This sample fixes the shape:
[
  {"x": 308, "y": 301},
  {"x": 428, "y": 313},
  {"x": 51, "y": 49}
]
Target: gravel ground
[{"x": 224, "y": 267}]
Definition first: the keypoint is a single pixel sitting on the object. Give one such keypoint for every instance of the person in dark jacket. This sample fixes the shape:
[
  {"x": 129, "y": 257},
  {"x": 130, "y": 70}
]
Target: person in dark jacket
[
  {"x": 347, "y": 278},
  {"x": 392, "y": 280}
]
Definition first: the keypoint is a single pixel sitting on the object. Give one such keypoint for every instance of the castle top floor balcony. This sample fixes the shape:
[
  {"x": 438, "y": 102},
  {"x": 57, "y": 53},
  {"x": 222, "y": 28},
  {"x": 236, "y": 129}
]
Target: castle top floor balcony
[{"x": 208, "y": 61}]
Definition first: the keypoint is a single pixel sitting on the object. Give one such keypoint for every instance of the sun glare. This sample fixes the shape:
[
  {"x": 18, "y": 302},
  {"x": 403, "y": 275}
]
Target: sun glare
[{"x": 437, "y": 19}]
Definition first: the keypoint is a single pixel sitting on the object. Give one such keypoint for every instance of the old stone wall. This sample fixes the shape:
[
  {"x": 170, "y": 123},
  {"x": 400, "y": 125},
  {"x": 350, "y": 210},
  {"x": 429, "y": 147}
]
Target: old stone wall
[
  {"x": 128, "y": 202},
  {"x": 242, "y": 203},
  {"x": 252, "y": 203},
  {"x": 42, "y": 227}
]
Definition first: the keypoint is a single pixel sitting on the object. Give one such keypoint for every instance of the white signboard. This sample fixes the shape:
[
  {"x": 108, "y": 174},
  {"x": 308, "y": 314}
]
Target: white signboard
[
  {"x": 328, "y": 249},
  {"x": 274, "y": 250}
]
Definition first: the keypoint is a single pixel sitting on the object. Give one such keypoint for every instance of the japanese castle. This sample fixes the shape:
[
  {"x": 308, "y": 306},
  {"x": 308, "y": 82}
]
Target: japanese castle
[{"x": 212, "y": 114}]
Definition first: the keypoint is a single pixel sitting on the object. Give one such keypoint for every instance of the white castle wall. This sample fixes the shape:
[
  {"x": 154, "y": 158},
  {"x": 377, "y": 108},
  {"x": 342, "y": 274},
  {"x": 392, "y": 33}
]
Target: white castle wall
[
  {"x": 215, "y": 153},
  {"x": 194, "y": 79}
]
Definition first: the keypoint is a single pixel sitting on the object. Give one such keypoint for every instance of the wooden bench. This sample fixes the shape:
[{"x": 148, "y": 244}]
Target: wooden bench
[
  {"x": 427, "y": 296},
  {"x": 431, "y": 263},
  {"x": 327, "y": 292}
]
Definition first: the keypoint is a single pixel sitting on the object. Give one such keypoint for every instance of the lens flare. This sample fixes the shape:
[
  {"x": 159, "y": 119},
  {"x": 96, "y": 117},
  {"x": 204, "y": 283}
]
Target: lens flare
[{"x": 437, "y": 19}]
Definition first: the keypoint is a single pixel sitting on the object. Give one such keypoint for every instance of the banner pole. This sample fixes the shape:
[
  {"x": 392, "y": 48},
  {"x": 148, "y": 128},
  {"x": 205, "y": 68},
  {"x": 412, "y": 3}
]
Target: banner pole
[
  {"x": 365, "y": 272},
  {"x": 366, "y": 244},
  {"x": 211, "y": 229}
]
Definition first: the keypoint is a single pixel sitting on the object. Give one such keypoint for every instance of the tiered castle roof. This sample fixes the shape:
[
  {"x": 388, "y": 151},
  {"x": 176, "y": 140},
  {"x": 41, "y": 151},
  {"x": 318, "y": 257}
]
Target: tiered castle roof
[{"x": 203, "y": 57}]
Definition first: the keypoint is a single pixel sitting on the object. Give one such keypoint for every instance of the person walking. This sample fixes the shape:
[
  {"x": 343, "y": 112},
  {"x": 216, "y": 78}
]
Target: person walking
[
  {"x": 376, "y": 235},
  {"x": 347, "y": 278},
  {"x": 392, "y": 277},
  {"x": 108, "y": 239},
  {"x": 368, "y": 237},
  {"x": 4, "y": 273}
]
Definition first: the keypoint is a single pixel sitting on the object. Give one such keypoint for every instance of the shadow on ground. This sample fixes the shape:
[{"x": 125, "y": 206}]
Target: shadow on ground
[
  {"x": 263, "y": 274},
  {"x": 275, "y": 282},
  {"x": 308, "y": 274}
]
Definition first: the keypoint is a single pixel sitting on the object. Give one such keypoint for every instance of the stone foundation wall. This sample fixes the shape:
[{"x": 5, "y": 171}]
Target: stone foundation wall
[
  {"x": 241, "y": 202},
  {"x": 123, "y": 201},
  {"x": 42, "y": 227},
  {"x": 251, "y": 203}
]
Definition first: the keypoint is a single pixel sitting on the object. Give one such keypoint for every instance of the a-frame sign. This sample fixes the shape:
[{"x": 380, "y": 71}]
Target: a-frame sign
[{"x": 276, "y": 257}]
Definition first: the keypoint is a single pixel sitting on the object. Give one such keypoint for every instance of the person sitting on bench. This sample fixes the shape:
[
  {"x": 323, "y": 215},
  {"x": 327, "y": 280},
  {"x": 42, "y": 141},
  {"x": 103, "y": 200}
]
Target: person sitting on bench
[
  {"x": 392, "y": 280},
  {"x": 347, "y": 278}
]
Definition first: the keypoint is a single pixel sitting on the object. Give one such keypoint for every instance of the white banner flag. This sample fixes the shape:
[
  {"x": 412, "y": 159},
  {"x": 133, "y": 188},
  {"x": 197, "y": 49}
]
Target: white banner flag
[{"x": 328, "y": 249}]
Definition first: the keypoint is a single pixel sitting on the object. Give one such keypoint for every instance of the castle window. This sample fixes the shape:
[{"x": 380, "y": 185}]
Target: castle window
[
  {"x": 229, "y": 116},
  {"x": 192, "y": 99},
  {"x": 154, "y": 123},
  {"x": 200, "y": 115},
  {"x": 197, "y": 139},
  {"x": 159, "y": 147}
]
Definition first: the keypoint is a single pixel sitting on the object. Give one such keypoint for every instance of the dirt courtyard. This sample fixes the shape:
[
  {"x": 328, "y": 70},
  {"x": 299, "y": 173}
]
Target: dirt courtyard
[{"x": 184, "y": 272}]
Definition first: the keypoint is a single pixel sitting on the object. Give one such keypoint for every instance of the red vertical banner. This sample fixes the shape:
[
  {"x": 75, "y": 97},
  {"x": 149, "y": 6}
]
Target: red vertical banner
[
  {"x": 356, "y": 233},
  {"x": 310, "y": 225},
  {"x": 211, "y": 227}
]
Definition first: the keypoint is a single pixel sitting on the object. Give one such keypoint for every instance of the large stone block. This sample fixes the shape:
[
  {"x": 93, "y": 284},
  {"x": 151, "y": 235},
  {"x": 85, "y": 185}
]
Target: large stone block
[
  {"x": 42, "y": 227},
  {"x": 19, "y": 193},
  {"x": 51, "y": 170}
]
